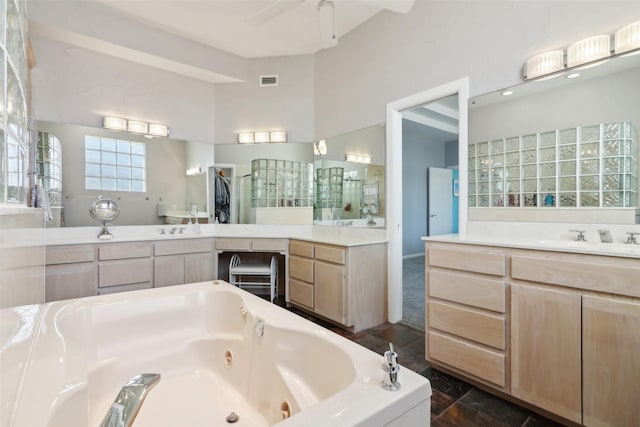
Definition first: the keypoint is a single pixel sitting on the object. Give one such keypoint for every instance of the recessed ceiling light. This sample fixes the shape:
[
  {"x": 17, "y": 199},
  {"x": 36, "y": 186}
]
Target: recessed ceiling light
[
  {"x": 507, "y": 92},
  {"x": 573, "y": 75}
]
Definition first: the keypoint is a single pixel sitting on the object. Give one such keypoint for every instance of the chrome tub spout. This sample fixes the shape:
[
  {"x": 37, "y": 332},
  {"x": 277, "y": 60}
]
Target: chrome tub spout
[{"x": 124, "y": 409}]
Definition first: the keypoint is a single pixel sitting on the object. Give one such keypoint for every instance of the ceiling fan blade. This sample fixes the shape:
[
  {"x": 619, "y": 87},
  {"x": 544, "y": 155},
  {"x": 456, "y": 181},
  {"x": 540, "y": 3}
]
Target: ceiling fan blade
[{"x": 274, "y": 9}]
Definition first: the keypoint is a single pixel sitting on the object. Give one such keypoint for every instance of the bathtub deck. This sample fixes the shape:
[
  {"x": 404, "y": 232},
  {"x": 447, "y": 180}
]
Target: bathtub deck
[{"x": 453, "y": 401}]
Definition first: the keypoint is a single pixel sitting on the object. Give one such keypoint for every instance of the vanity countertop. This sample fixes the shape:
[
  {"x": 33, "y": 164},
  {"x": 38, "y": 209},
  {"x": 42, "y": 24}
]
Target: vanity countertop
[
  {"x": 556, "y": 245},
  {"x": 342, "y": 236}
]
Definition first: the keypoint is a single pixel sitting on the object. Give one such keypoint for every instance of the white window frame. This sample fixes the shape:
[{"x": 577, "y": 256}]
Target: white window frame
[{"x": 115, "y": 164}]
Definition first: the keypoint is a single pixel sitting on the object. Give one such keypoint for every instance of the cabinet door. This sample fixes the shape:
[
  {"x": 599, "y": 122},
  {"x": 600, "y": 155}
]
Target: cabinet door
[
  {"x": 168, "y": 270},
  {"x": 329, "y": 291},
  {"x": 545, "y": 349},
  {"x": 611, "y": 362},
  {"x": 198, "y": 267},
  {"x": 67, "y": 281}
]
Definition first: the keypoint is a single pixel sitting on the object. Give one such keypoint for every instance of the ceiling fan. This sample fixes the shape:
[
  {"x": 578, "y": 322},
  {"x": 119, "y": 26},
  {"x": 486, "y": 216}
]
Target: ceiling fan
[{"x": 326, "y": 14}]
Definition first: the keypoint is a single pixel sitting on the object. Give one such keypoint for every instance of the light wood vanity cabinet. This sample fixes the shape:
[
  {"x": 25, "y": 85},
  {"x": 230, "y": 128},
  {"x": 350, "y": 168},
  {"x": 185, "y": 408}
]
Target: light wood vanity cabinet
[
  {"x": 124, "y": 264},
  {"x": 251, "y": 245},
  {"x": 573, "y": 335},
  {"x": 70, "y": 272},
  {"x": 73, "y": 271},
  {"x": 344, "y": 284},
  {"x": 466, "y": 312},
  {"x": 183, "y": 261},
  {"x": 545, "y": 349},
  {"x": 611, "y": 361}
]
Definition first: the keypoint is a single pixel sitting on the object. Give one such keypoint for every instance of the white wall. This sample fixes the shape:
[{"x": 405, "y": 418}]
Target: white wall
[
  {"x": 392, "y": 56},
  {"x": 79, "y": 86},
  {"x": 166, "y": 179},
  {"x": 248, "y": 107},
  {"x": 244, "y": 153},
  {"x": 612, "y": 98},
  {"x": 418, "y": 154},
  {"x": 362, "y": 141}
]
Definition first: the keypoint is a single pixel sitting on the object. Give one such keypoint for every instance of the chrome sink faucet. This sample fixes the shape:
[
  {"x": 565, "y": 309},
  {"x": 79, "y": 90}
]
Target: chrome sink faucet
[
  {"x": 580, "y": 237},
  {"x": 390, "y": 367},
  {"x": 124, "y": 409}
]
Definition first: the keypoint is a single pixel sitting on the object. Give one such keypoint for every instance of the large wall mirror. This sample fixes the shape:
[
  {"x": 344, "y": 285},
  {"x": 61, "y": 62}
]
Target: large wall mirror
[
  {"x": 358, "y": 198},
  {"x": 558, "y": 150},
  {"x": 172, "y": 196},
  {"x": 349, "y": 179},
  {"x": 232, "y": 174},
  {"x": 162, "y": 164}
]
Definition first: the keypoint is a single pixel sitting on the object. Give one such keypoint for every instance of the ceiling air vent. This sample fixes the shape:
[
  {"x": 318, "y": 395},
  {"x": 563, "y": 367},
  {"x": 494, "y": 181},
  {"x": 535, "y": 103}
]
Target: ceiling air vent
[{"x": 269, "y": 80}]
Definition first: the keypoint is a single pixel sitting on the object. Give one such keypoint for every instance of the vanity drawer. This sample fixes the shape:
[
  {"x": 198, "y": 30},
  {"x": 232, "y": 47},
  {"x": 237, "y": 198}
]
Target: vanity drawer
[
  {"x": 466, "y": 289},
  {"x": 333, "y": 254},
  {"x": 230, "y": 244},
  {"x": 467, "y": 323},
  {"x": 301, "y": 268},
  {"x": 125, "y": 272},
  {"x": 188, "y": 246},
  {"x": 124, "y": 251},
  {"x": 475, "y": 360},
  {"x": 69, "y": 254},
  {"x": 590, "y": 273},
  {"x": 269, "y": 245},
  {"x": 297, "y": 247},
  {"x": 300, "y": 293},
  {"x": 477, "y": 262}
]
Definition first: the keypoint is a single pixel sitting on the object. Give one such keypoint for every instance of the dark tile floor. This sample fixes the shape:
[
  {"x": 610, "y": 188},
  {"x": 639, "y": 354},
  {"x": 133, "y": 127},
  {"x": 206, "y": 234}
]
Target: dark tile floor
[{"x": 453, "y": 402}]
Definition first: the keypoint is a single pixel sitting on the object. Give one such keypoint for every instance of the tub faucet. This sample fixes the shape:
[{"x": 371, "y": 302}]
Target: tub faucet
[
  {"x": 390, "y": 367},
  {"x": 631, "y": 240},
  {"x": 124, "y": 409}
]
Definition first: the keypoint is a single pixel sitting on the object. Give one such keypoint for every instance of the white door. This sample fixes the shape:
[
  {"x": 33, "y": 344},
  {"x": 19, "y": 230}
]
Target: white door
[{"x": 439, "y": 201}]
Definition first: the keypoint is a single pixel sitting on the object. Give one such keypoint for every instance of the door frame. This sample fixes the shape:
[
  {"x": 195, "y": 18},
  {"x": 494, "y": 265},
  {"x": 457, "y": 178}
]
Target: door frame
[{"x": 394, "y": 111}]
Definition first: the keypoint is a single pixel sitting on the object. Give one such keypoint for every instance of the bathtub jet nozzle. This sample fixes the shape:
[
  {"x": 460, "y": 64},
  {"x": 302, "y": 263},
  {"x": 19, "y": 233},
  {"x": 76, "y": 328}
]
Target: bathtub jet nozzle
[{"x": 390, "y": 367}]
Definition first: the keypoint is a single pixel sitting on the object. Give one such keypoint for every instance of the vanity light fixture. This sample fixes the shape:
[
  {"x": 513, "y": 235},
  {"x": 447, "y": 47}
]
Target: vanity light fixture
[
  {"x": 627, "y": 39},
  {"x": 262, "y": 136},
  {"x": 148, "y": 130},
  {"x": 194, "y": 171},
  {"x": 588, "y": 50},
  {"x": 585, "y": 53},
  {"x": 320, "y": 148},
  {"x": 277, "y": 136},
  {"x": 358, "y": 158},
  {"x": 246, "y": 138},
  {"x": 114, "y": 123},
  {"x": 135, "y": 126},
  {"x": 544, "y": 64},
  {"x": 156, "y": 129}
]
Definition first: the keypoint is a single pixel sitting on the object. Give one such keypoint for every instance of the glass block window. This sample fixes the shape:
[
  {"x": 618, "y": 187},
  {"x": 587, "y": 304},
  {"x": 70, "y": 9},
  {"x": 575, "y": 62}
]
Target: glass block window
[
  {"x": 114, "y": 164},
  {"x": 589, "y": 166}
]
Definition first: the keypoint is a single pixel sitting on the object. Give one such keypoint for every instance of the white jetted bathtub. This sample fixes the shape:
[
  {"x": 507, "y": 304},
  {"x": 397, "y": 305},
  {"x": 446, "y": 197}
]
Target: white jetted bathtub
[{"x": 218, "y": 350}]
